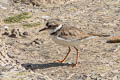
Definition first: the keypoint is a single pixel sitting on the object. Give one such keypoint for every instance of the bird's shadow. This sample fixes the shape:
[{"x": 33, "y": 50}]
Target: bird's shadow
[{"x": 43, "y": 66}]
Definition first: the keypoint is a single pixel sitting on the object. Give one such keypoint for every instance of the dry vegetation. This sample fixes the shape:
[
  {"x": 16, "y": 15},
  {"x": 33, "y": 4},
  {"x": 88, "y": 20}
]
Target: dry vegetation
[{"x": 17, "y": 18}]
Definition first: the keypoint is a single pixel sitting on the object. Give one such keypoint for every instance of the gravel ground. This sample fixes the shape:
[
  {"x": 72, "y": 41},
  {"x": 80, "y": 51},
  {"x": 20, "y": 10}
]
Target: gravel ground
[{"x": 36, "y": 52}]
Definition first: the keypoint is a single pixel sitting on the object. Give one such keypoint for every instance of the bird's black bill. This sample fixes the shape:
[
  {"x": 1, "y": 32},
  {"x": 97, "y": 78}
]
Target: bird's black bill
[{"x": 43, "y": 29}]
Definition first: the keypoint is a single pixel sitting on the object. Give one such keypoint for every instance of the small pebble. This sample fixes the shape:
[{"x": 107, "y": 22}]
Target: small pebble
[
  {"x": 6, "y": 27},
  {"x": 5, "y": 33},
  {"x": 25, "y": 33}
]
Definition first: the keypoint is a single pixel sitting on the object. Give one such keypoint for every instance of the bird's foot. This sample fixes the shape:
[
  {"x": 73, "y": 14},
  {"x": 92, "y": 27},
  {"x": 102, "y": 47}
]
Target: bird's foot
[
  {"x": 59, "y": 61},
  {"x": 75, "y": 65}
]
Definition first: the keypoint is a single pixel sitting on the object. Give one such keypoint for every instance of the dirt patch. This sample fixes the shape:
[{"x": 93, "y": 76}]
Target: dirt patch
[
  {"x": 37, "y": 52},
  {"x": 43, "y": 2}
]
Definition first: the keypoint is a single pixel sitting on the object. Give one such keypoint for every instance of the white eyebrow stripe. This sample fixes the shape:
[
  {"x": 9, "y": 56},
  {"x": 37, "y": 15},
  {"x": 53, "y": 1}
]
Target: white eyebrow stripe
[{"x": 58, "y": 28}]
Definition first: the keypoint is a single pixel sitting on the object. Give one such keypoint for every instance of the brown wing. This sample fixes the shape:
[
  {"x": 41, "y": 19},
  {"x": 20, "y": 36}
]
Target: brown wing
[{"x": 72, "y": 33}]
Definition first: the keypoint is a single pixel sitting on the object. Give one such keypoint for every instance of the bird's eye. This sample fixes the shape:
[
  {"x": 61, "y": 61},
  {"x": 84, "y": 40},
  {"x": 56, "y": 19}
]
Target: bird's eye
[{"x": 47, "y": 24}]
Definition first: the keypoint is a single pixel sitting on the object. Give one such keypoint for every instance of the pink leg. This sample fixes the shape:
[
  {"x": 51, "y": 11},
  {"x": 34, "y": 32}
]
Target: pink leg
[
  {"x": 76, "y": 58},
  {"x": 61, "y": 61}
]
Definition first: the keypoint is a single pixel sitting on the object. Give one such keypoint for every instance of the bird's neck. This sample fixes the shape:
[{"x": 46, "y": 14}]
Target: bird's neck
[{"x": 57, "y": 29}]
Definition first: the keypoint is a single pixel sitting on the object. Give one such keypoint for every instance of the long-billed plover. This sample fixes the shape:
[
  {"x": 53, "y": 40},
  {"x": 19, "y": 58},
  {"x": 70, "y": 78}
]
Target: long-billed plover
[{"x": 67, "y": 36}]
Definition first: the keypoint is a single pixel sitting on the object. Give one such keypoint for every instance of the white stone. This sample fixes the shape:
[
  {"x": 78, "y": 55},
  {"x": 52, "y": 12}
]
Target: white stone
[{"x": 2, "y": 7}]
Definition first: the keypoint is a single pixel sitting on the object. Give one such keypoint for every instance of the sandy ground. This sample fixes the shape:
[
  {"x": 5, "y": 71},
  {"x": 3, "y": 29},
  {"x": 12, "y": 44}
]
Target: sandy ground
[{"x": 36, "y": 51}]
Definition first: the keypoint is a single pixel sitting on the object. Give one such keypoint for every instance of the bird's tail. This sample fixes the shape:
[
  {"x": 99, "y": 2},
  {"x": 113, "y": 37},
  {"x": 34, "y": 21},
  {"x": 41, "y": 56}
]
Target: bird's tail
[{"x": 100, "y": 35}]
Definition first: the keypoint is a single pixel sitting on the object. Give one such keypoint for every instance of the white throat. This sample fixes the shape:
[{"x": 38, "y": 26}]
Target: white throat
[{"x": 57, "y": 28}]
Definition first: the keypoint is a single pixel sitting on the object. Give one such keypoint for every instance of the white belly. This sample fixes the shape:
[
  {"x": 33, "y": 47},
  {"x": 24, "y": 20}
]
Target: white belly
[{"x": 65, "y": 42}]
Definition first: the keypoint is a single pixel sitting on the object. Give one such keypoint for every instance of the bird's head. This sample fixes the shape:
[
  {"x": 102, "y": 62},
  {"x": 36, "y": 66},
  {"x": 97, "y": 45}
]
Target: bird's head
[{"x": 52, "y": 26}]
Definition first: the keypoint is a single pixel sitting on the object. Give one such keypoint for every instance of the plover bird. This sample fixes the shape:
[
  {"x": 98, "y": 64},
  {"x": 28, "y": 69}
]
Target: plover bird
[{"x": 67, "y": 36}]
